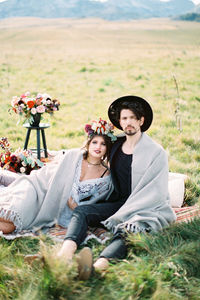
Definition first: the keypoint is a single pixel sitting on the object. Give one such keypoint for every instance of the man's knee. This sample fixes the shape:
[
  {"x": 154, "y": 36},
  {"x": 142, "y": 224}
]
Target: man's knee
[{"x": 81, "y": 210}]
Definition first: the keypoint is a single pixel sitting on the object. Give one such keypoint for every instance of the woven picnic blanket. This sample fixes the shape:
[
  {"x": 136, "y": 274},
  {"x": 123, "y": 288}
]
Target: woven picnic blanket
[
  {"x": 186, "y": 214},
  {"x": 183, "y": 214},
  {"x": 101, "y": 235},
  {"x": 57, "y": 234}
]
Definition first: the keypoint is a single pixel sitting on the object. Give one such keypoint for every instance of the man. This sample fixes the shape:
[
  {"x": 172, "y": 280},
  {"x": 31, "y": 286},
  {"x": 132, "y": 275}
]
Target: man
[{"x": 140, "y": 200}]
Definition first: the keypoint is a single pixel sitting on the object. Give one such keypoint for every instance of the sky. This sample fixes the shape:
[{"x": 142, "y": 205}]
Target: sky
[{"x": 195, "y": 1}]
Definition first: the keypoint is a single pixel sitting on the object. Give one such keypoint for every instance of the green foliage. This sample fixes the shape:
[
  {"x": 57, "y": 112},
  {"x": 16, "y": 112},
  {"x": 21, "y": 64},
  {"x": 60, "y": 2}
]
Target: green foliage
[
  {"x": 164, "y": 265},
  {"x": 192, "y": 192}
]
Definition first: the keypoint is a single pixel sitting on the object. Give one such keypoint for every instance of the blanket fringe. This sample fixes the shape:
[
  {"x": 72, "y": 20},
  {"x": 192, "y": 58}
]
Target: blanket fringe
[{"x": 130, "y": 227}]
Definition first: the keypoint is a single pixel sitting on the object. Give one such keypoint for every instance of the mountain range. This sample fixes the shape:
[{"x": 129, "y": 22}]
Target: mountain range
[{"x": 110, "y": 10}]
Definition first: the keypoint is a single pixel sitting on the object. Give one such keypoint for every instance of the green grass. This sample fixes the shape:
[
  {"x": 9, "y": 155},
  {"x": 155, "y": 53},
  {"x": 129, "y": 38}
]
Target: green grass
[
  {"x": 164, "y": 265},
  {"x": 86, "y": 64}
]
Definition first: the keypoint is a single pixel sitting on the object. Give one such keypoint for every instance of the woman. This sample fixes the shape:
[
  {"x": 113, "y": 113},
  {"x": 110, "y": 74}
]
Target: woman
[{"x": 48, "y": 196}]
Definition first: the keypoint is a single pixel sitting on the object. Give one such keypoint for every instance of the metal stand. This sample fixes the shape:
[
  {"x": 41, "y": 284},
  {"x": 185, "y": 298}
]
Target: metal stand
[{"x": 41, "y": 127}]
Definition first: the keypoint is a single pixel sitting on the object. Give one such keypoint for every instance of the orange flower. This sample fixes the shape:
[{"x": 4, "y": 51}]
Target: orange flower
[
  {"x": 39, "y": 101},
  {"x": 30, "y": 103},
  {"x": 7, "y": 159}
]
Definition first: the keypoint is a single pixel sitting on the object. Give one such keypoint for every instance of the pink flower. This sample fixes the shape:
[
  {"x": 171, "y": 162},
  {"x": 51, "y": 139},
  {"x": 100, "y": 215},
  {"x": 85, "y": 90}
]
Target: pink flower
[
  {"x": 40, "y": 109},
  {"x": 87, "y": 127},
  {"x": 15, "y": 101},
  {"x": 39, "y": 95},
  {"x": 39, "y": 101},
  {"x": 20, "y": 109},
  {"x": 33, "y": 111}
]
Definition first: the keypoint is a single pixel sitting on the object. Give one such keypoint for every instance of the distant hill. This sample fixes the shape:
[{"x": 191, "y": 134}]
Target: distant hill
[
  {"x": 110, "y": 10},
  {"x": 190, "y": 17}
]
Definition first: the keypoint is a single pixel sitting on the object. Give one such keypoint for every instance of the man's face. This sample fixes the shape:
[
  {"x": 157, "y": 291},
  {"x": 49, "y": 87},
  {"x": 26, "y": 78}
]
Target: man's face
[{"x": 129, "y": 122}]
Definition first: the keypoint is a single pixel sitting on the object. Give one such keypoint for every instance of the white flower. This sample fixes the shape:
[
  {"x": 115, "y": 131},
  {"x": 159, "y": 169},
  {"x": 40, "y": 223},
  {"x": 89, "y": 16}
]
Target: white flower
[
  {"x": 33, "y": 111},
  {"x": 94, "y": 126},
  {"x": 24, "y": 164},
  {"x": 22, "y": 170},
  {"x": 107, "y": 126},
  {"x": 44, "y": 101},
  {"x": 48, "y": 101},
  {"x": 45, "y": 96}
]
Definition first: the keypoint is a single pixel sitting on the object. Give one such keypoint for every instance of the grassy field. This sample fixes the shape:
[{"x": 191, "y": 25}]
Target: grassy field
[{"x": 87, "y": 64}]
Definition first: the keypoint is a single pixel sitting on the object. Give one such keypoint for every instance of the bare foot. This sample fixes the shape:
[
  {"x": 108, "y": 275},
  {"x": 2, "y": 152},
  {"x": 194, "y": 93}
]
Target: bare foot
[
  {"x": 67, "y": 250},
  {"x": 101, "y": 264},
  {"x": 6, "y": 226}
]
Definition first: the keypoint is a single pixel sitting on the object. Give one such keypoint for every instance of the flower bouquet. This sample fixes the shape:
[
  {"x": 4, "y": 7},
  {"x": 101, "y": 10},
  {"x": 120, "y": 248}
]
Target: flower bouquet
[
  {"x": 33, "y": 107},
  {"x": 19, "y": 161}
]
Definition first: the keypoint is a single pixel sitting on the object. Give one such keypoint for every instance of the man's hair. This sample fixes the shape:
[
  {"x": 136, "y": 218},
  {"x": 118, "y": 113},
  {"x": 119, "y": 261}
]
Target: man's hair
[{"x": 135, "y": 107}]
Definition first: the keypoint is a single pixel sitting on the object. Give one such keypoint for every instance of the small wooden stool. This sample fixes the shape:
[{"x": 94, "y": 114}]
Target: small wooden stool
[{"x": 41, "y": 127}]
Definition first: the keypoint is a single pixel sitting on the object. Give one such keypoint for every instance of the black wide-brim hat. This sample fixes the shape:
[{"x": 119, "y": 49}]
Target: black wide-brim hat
[{"x": 116, "y": 106}]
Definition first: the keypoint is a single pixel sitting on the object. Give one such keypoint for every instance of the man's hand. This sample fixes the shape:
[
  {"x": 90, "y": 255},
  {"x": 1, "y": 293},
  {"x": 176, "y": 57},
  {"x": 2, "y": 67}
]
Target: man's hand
[{"x": 71, "y": 203}]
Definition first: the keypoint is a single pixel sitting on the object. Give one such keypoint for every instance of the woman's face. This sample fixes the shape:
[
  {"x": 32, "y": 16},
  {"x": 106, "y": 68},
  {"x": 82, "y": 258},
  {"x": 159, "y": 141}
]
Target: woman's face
[{"x": 97, "y": 147}]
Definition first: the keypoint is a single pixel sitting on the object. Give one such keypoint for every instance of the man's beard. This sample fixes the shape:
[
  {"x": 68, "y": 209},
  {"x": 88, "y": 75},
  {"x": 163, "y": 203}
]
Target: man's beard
[{"x": 130, "y": 132}]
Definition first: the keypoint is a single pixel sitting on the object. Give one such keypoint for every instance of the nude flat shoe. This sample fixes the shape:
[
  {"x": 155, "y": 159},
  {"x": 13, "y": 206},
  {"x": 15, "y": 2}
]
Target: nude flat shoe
[{"x": 85, "y": 263}]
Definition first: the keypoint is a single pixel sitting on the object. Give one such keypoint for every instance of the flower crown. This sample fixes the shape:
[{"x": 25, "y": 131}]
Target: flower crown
[{"x": 100, "y": 127}]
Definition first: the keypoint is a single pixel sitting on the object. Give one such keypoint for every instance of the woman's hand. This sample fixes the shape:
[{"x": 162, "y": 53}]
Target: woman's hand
[{"x": 71, "y": 203}]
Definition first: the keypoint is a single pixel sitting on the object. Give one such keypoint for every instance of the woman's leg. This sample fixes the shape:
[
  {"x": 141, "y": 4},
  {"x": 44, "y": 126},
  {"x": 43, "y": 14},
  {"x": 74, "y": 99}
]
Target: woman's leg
[
  {"x": 6, "y": 226},
  {"x": 84, "y": 216}
]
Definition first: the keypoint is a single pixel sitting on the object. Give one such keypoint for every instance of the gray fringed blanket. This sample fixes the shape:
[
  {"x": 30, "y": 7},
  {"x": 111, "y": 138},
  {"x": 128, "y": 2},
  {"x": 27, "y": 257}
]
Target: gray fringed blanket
[
  {"x": 35, "y": 201},
  {"x": 148, "y": 206}
]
